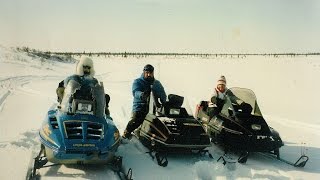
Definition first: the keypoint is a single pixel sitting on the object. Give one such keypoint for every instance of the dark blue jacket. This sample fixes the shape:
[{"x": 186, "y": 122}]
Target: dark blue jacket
[{"x": 139, "y": 86}]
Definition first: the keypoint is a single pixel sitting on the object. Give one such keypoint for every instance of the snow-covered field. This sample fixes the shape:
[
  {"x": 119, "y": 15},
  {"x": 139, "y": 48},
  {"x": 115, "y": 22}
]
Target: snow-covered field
[{"x": 287, "y": 89}]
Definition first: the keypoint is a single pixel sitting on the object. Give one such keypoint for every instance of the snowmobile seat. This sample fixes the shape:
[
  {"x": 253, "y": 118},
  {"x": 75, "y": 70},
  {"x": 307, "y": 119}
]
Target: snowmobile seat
[
  {"x": 173, "y": 106},
  {"x": 175, "y": 100}
]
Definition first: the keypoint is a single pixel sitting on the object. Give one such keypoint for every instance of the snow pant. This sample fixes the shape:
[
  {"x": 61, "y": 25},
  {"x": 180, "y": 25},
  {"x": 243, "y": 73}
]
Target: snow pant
[
  {"x": 107, "y": 98},
  {"x": 136, "y": 120}
]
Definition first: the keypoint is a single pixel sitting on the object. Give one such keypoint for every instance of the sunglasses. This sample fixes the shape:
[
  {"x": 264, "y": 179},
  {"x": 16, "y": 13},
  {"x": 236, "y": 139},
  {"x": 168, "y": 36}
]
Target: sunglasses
[{"x": 86, "y": 67}]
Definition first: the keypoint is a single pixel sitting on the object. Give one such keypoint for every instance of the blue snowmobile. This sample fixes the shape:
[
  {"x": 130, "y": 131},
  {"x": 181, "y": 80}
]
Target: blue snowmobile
[{"x": 77, "y": 131}]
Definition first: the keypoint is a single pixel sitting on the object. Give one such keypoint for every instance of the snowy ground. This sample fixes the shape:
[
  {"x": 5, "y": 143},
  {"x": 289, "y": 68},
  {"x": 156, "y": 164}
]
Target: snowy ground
[{"x": 287, "y": 91}]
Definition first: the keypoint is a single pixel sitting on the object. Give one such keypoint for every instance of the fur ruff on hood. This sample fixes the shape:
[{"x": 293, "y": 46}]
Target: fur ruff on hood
[{"x": 85, "y": 61}]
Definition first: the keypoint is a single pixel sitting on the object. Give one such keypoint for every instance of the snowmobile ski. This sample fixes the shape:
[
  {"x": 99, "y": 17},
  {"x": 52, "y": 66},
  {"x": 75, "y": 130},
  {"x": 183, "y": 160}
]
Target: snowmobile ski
[
  {"x": 40, "y": 161},
  {"x": 161, "y": 158},
  {"x": 116, "y": 166},
  {"x": 36, "y": 162},
  {"x": 227, "y": 161},
  {"x": 301, "y": 162}
]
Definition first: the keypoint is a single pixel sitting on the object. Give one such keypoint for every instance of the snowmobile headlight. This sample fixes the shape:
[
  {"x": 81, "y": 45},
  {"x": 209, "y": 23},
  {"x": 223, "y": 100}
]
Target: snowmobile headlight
[
  {"x": 256, "y": 127},
  {"x": 84, "y": 108},
  {"x": 174, "y": 111}
]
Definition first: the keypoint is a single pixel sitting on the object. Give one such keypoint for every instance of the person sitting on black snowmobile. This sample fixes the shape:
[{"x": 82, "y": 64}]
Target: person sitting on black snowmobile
[
  {"x": 219, "y": 97},
  {"x": 84, "y": 74},
  {"x": 141, "y": 90}
]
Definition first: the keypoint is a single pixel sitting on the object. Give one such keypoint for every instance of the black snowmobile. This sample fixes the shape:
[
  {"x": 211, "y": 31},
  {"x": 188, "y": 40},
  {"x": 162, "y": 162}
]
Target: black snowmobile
[
  {"x": 238, "y": 125},
  {"x": 168, "y": 128},
  {"x": 78, "y": 131}
]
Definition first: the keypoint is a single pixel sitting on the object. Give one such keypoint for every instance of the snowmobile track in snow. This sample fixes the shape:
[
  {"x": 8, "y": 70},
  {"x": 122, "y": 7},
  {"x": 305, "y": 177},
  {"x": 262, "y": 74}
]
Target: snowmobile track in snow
[{"x": 18, "y": 83}]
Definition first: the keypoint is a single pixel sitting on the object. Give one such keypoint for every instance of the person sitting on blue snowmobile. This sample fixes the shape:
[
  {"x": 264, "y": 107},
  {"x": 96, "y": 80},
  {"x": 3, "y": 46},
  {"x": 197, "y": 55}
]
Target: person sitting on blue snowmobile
[
  {"x": 84, "y": 75},
  {"x": 141, "y": 90}
]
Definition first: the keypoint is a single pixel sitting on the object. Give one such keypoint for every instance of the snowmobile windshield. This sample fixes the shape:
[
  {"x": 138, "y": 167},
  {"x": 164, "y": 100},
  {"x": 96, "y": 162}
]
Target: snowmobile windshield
[
  {"x": 83, "y": 98},
  {"x": 243, "y": 100}
]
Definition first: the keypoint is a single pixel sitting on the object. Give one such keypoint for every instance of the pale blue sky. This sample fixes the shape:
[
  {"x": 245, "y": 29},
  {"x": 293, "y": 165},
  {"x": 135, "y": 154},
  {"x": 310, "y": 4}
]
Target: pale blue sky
[{"x": 202, "y": 26}]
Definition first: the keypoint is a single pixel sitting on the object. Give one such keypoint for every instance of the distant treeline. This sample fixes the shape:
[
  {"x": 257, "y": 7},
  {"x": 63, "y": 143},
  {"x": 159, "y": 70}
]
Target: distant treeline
[
  {"x": 146, "y": 54},
  {"x": 204, "y": 55},
  {"x": 46, "y": 55}
]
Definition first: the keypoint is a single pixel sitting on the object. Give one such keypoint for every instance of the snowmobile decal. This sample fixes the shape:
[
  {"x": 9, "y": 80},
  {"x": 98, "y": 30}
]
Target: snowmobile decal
[{"x": 83, "y": 145}]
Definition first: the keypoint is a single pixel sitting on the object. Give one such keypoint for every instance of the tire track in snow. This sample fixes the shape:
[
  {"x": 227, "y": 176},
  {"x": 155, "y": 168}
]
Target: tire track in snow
[
  {"x": 18, "y": 83},
  {"x": 103, "y": 75},
  {"x": 3, "y": 99},
  {"x": 295, "y": 124},
  {"x": 26, "y": 140}
]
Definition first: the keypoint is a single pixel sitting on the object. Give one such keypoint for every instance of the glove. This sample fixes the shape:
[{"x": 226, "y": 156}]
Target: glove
[
  {"x": 60, "y": 91},
  {"x": 214, "y": 99},
  {"x": 145, "y": 96}
]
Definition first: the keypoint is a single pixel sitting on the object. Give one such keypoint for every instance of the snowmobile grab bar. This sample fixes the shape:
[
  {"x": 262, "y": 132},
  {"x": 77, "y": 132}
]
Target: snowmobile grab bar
[{"x": 302, "y": 161}]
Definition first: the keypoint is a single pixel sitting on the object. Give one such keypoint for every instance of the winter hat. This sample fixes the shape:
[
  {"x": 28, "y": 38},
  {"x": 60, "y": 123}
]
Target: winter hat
[
  {"x": 148, "y": 68},
  {"x": 222, "y": 80},
  {"x": 85, "y": 61}
]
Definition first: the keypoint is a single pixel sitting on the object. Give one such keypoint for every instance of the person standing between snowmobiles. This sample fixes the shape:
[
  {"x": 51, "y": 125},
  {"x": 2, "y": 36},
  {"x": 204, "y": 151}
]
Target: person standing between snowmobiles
[
  {"x": 219, "y": 96},
  {"x": 141, "y": 89},
  {"x": 84, "y": 72}
]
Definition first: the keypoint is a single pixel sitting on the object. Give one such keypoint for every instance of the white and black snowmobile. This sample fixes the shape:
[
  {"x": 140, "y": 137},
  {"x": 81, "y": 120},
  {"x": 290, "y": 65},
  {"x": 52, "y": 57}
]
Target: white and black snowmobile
[
  {"x": 238, "y": 126},
  {"x": 168, "y": 128}
]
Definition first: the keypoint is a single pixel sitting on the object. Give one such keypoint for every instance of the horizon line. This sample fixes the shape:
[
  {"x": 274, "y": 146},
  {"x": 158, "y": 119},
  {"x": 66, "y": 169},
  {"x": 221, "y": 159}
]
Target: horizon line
[
  {"x": 184, "y": 54},
  {"x": 125, "y": 53}
]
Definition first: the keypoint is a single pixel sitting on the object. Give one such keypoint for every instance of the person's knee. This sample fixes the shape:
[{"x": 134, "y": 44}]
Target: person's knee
[
  {"x": 137, "y": 119},
  {"x": 107, "y": 111},
  {"x": 107, "y": 98},
  {"x": 60, "y": 91}
]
